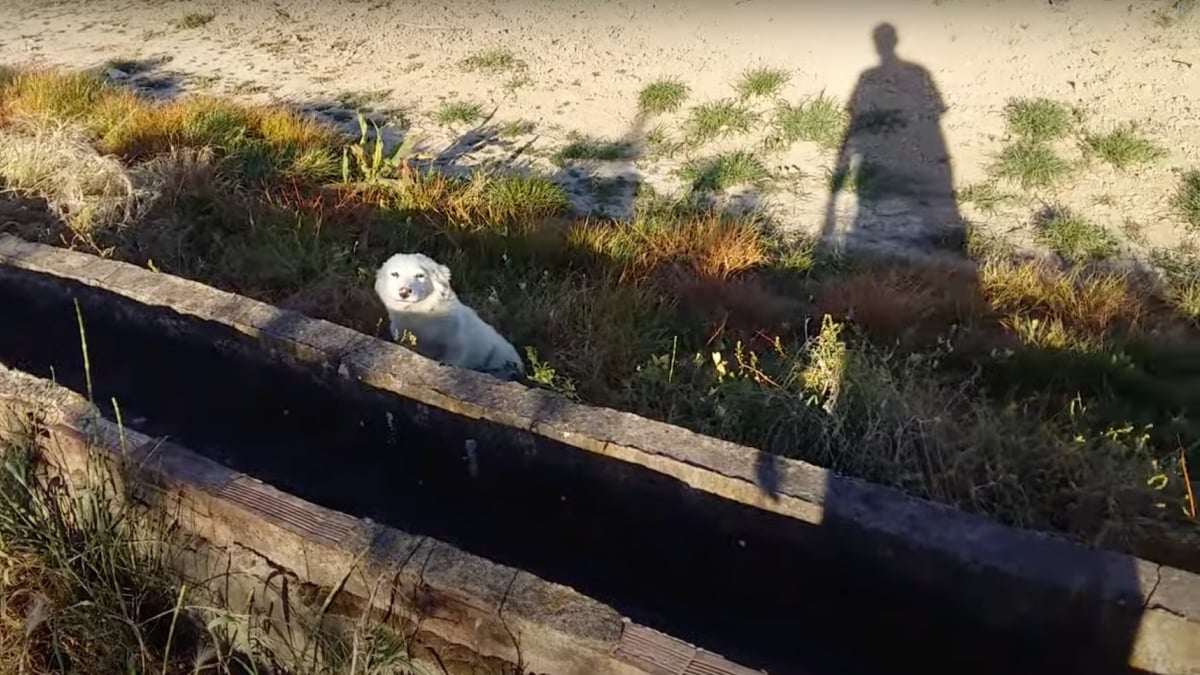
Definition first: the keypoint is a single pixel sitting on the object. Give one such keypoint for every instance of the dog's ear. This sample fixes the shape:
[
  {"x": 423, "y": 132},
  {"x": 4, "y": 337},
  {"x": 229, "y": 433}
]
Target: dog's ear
[{"x": 442, "y": 273}]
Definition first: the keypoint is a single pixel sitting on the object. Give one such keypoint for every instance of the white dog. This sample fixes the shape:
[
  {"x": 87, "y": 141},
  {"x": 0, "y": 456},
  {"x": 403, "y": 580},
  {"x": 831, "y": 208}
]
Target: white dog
[{"x": 415, "y": 290}]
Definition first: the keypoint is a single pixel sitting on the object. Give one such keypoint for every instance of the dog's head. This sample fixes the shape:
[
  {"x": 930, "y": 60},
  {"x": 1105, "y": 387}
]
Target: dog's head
[{"x": 412, "y": 281}]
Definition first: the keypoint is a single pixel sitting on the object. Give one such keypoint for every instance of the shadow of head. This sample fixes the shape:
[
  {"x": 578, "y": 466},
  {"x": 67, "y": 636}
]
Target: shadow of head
[{"x": 886, "y": 39}]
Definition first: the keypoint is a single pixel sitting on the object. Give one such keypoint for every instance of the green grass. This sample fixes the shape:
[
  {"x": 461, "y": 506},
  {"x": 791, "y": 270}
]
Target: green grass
[
  {"x": 1186, "y": 200},
  {"x": 1181, "y": 272},
  {"x": 1009, "y": 389},
  {"x": 717, "y": 119},
  {"x": 821, "y": 121},
  {"x": 459, "y": 112},
  {"x": 517, "y": 128},
  {"x": 1124, "y": 147},
  {"x": 1038, "y": 119},
  {"x": 661, "y": 142},
  {"x": 193, "y": 20},
  {"x": 987, "y": 197},
  {"x": 1074, "y": 238},
  {"x": 90, "y": 584},
  {"x": 594, "y": 149},
  {"x": 1031, "y": 164},
  {"x": 762, "y": 82},
  {"x": 491, "y": 61},
  {"x": 869, "y": 181},
  {"x": 725, "y": 171},
  {"x": 662, "y": 96}
]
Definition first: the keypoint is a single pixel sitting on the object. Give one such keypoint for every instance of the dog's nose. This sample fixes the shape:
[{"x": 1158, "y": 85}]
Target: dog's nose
[{"x": 404, "y": 292}]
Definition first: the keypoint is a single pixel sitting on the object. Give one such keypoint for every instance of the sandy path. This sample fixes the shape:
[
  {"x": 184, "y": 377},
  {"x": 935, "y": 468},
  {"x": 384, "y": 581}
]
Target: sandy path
[{"x": 586, "y": 61}]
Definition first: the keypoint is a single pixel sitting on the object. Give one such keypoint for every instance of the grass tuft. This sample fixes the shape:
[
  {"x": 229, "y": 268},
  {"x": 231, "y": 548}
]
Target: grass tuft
[
  {"x": 821, "y": 121},
  {"x": 1124, "y": 147},
  {"x": 716, "y": 119},
  {"x": 86, "y": 190},
  {"x": 1074, "y": 238},
  {"x": 987, "y": 197},
  {"x": 459, "y": 112},
  {"x": 760, "y": 82},
  {"x": 1038, "y": 119},
  {"x": 491, "y": 61},
  {"x": 1186, "y": 199},
  {"x": 1031, "y": 164},
  {"x": 594, "y": 149},
  {"x": 725, "y": 171},
  {"x": 662, "y": 96}
]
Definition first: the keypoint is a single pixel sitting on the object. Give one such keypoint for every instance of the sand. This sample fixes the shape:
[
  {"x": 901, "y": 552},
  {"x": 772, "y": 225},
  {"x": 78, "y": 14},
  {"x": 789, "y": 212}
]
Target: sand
[{"x": 581, "y": 65}]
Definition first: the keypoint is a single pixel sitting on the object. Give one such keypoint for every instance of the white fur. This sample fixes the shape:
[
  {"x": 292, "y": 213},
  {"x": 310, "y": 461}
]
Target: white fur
[{"x": 445, "y": 329}]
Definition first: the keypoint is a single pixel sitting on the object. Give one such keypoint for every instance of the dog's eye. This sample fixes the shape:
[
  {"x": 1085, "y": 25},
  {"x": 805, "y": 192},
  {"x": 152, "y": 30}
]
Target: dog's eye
[
  {"x": 420, "y": 277},
  {"x": 395, "y": 275}
]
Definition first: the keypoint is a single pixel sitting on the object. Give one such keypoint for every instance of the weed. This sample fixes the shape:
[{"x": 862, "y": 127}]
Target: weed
[
  {"x": 491, "y": 61},
  {"x": 459, "y": 112},
  {"x": 1031, "y": 165},
  {"x": 662, "y": 96},
  {"x": 659, "y": 141},
  {"x": 983, "y": 244},
  {"x": 545, "y": 375},
  {"x": 724, "y": 171},
  {"x": 764, "y": 81},
  {"x": 1186, "y": 199},
  {"x": 988, "y": 197},
  {"x": 869, "y": 181},
  {"x": 517, "y": 128},
  {"x": 1038, "y": 119},
  {"x": 54, "y": 94},
  {"x": 1124, "y": 147},
  {"x": 715, "y": 119},
  {"x": 593, "y": 149},
  {"x": 820, "y": 120},
  {"x": 193, "y": 20},
  {"x": 1073, "y": 237},
  {"x": 1181, "y": 272},
  {"x": 365, "y": 161}
]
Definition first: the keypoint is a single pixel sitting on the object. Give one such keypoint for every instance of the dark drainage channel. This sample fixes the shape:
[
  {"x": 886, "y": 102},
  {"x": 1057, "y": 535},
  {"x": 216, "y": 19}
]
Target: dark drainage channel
[{"x": 732, "y": 579}]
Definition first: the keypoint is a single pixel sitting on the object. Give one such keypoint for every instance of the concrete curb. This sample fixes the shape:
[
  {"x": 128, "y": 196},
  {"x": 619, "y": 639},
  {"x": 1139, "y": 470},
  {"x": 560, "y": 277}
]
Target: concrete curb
[
  {"x": 1015, "y": 578},
  {"x": 492, "y": 609}
]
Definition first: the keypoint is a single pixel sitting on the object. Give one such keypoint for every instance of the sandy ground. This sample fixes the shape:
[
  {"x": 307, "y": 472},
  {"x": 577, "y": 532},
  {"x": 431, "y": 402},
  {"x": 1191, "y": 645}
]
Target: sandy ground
[{"x": 583, "y": 63}]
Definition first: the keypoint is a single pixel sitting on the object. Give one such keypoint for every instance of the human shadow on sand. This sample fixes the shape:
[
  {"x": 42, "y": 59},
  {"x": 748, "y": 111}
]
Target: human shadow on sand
[{"x": 894, "y": 158}]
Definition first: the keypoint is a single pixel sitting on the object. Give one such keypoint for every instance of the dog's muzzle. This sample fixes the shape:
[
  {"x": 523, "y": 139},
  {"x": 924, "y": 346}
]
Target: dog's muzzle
[{"x": 404, "y": 293}]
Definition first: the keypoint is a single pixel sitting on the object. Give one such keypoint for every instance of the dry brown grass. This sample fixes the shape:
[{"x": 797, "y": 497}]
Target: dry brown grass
[
  {"x": 133, "y": 127},
  {"x": 1089, "y": 301},
  {"x": 53, "y": 160},
  {"x": 710, "y": 245},
  {"x": 902, "y": 298}
]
